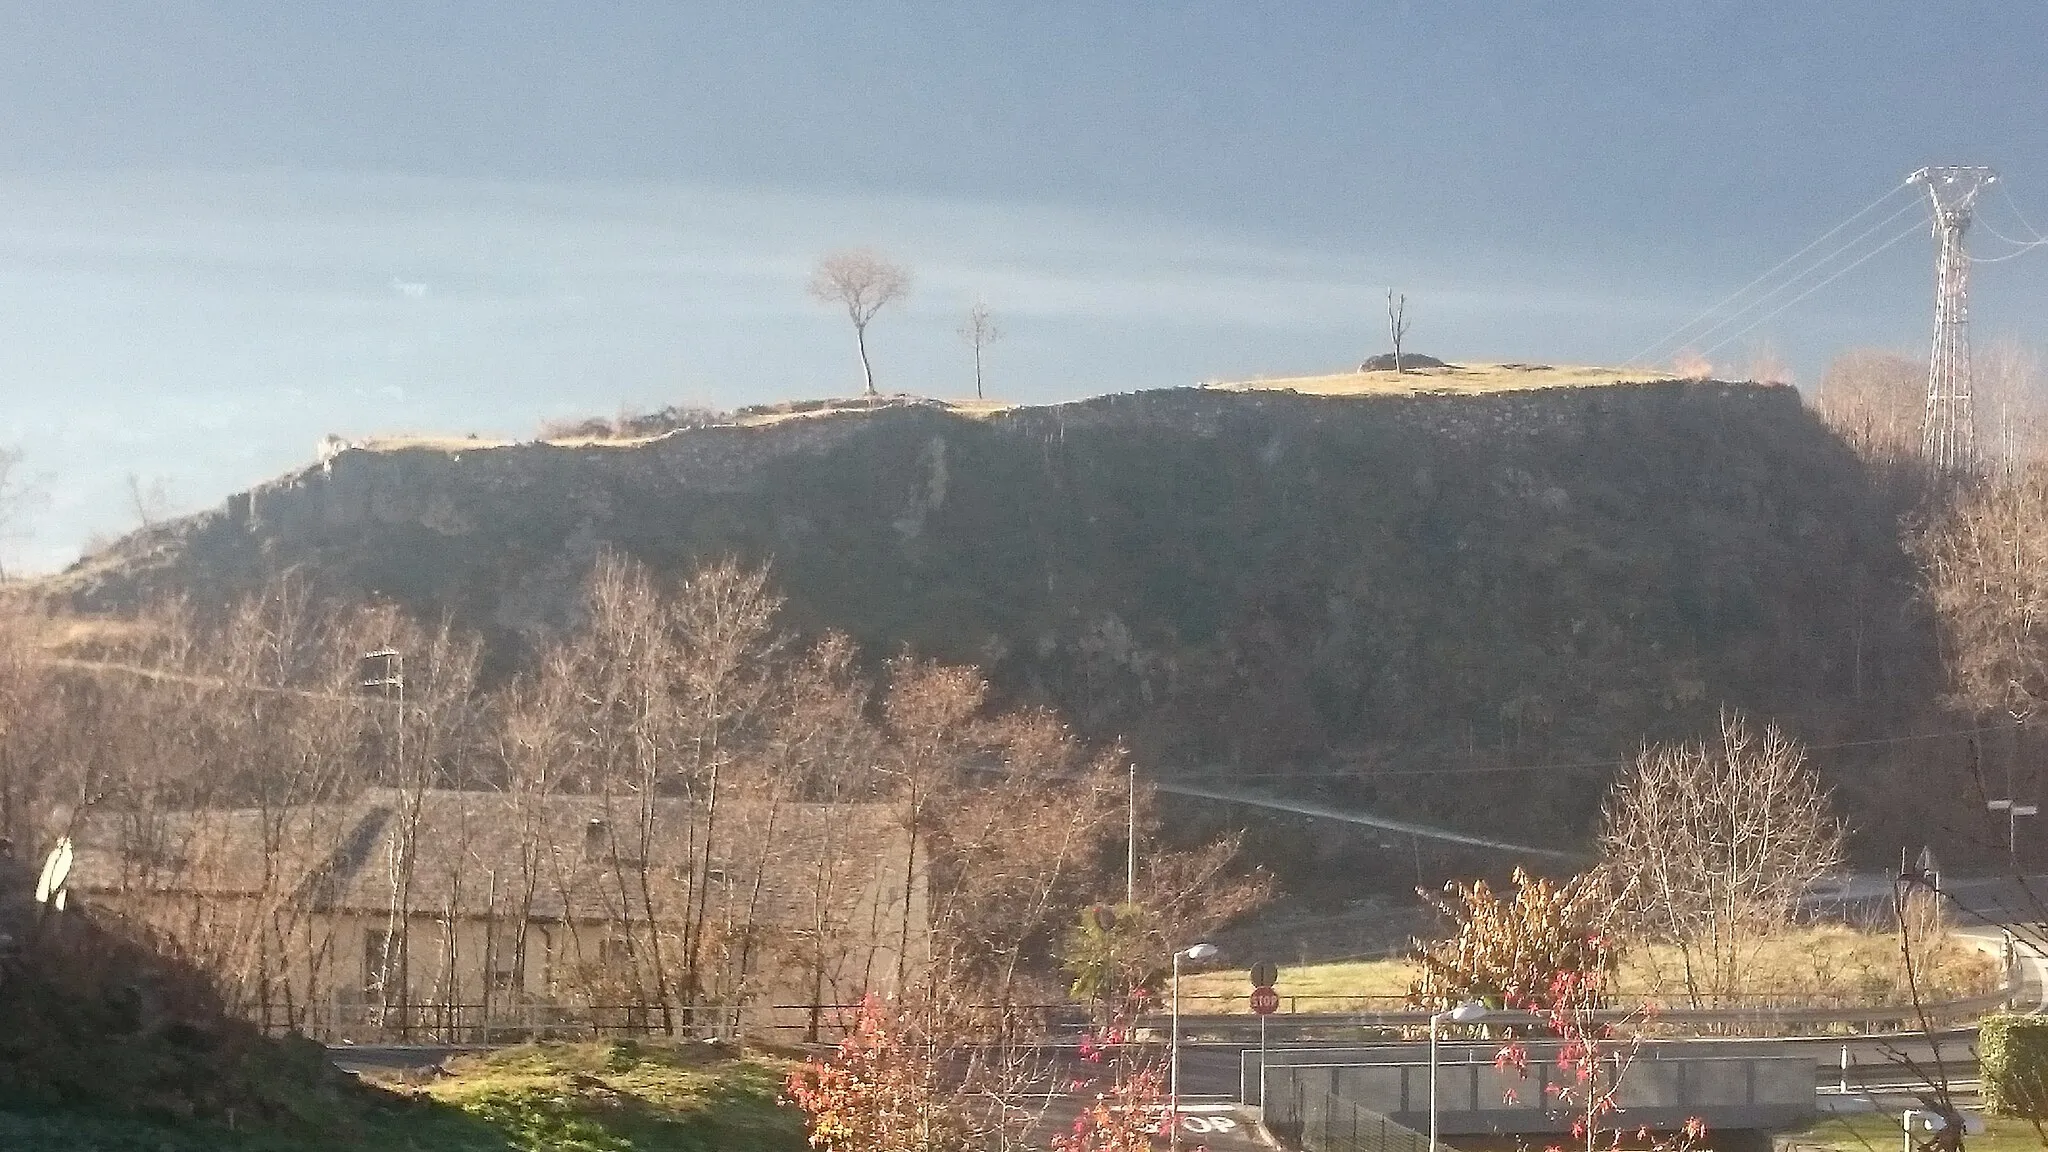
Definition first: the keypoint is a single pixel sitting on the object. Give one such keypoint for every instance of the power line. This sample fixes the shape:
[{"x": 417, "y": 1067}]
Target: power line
[
  {"x": 2006, "y": 192},
  {"x": 1767, "y": 274},
  {"x": 1367, "y": 819},
  {"x": 1997, "y": 235},
  {"x": 2020, "y": 247},
  {"x": 1366, "y": 775},
  {"x": 1839, "y": 273},
  {"x": 1810, "y": 270},
  {"x": 2007, "y": 256}
]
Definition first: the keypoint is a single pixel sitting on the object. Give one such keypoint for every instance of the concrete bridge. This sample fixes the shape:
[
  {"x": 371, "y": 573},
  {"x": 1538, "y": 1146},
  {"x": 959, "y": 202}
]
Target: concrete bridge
[{"x": 1378, "y": 1097}]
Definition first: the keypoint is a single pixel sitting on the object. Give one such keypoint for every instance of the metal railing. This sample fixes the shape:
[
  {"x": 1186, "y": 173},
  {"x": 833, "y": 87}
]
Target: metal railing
[
  {"x": 501, "y": 1023},
  {"x": 1322, "y": 1122},
  {"x": 514, "y": 1021},
  {"x": 1761, "y": 1020}
]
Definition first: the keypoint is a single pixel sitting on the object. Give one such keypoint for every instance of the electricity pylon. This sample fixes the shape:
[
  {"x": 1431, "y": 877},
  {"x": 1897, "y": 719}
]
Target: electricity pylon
[{"x": 1947, "y": 431}]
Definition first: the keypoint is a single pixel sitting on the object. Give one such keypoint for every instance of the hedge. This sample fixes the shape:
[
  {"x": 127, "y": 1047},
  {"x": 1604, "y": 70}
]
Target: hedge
[{"x": 2012, "y": 1061}]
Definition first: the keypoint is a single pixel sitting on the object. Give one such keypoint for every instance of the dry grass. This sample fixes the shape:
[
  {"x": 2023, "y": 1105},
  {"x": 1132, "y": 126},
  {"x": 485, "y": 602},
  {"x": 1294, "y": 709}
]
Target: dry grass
[
  {"x": 802, "y": 410},
  {"x": 1455, "y": 380},
  {"x": 1880, "y": 1132},
  {"x": 1452, "y": 380},
  {"x": 1824, "y": 966}
]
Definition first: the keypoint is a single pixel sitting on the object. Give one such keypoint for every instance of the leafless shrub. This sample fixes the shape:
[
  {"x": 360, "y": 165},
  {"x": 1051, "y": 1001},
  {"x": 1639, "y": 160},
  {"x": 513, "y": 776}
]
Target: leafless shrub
[
  {"x": 1874, "y": 399},
  {"x": 1713, "y": 843},
  {"x": 1985, "y": 560}
]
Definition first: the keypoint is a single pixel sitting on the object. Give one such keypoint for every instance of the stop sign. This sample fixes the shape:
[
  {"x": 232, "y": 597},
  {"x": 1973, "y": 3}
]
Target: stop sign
[{"x": 1265, "y": 1001}]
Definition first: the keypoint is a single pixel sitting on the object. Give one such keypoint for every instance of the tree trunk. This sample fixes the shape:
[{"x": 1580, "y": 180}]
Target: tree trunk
[{"x": 867, "y": 372}]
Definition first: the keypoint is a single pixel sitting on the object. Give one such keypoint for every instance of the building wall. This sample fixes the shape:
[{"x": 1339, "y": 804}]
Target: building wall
[{"x": 325, "y": 979}]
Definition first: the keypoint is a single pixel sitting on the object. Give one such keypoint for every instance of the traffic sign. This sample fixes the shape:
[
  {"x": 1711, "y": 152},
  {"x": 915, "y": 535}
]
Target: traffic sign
[
  {"x": 1265, "y": 1001},
  {"x": 1265, "y": 974}
]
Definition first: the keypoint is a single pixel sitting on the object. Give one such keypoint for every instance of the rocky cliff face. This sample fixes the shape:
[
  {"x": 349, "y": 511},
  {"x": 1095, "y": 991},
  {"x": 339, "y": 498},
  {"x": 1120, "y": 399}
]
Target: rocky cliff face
[{"x": 1268, "y": 583}]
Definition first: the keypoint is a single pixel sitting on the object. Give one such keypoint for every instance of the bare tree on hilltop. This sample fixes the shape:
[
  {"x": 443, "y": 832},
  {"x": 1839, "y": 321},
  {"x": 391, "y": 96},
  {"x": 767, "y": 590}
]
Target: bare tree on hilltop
[
  {"x": 863, "y": 282},
  {"x": 980, "y": 331},
  {"x": 1397, "y": 324}
]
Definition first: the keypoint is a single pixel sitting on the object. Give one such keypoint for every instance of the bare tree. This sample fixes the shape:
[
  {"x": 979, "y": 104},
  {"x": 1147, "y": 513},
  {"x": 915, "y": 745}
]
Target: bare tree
[
  {"x": 1873, "y": 399},
  {"x": 1397, "y": 324},
  {"x": 980, "y": 331},
  {"x": 1986, "y": 566},
  {"x": 150, "y": 500},
  {"x": 863, "y": 282},
  {"x": 1714, "y": 842},
  {"x": 2011, "y": 404}
]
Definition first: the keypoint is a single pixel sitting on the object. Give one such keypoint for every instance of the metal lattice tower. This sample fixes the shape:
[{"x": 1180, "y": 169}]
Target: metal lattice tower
[{"x": 1947, "y": 431}]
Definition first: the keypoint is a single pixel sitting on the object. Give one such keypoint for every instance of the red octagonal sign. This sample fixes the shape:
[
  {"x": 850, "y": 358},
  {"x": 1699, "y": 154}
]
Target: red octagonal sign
[{"x": 1265, "y": 1001}]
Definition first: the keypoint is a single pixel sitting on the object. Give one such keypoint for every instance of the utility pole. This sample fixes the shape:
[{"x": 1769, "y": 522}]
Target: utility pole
[{"x": 1947, "y": 438}]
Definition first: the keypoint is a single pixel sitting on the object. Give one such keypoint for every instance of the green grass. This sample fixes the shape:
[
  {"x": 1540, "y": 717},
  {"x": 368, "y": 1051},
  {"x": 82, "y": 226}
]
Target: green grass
[
  {"x": 1823, "y": 965},
  {"x": 605, "y": 1097},
  {"x": 1880, "y": 1132}
]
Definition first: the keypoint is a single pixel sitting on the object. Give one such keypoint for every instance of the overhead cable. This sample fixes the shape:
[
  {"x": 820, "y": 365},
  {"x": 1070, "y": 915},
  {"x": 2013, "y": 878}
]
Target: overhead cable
[
  {"x": 1767, "y": 274},
  {"x": 1811, "y": 269},
  {"x": 1775, "y": 312}
]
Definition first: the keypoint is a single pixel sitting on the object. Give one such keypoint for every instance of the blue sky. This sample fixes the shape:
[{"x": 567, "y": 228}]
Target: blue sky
[{"x": 228, "y": 229}]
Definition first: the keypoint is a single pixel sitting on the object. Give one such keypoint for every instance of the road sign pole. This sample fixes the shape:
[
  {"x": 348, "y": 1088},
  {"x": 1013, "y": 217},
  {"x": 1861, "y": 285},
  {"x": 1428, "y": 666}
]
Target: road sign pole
[{"x": 1262, "y": 1066}]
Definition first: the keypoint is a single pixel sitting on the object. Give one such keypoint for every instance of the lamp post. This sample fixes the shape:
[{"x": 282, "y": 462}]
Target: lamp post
[
  {"x": 2013, "y": 811},
  {"x": 1464, "y": 1013},
  {"x": 1195, "y": 952}
]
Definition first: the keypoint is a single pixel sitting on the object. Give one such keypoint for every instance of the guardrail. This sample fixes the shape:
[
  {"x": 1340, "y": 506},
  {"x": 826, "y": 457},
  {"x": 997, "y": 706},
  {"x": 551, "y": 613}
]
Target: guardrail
[
  {"x": 1857, "y": 1019},
  {"x": 1838, "y": 1067}
]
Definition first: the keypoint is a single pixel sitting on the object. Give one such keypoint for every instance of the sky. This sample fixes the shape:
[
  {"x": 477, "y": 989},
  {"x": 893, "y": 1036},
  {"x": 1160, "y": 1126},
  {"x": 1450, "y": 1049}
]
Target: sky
[{"x": 227, "y": 230}]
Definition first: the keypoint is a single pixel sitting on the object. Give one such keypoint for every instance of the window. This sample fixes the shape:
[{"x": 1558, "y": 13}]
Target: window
[
  {"x": 376, "y": 945},
  {"x": 505, "y": 959}
]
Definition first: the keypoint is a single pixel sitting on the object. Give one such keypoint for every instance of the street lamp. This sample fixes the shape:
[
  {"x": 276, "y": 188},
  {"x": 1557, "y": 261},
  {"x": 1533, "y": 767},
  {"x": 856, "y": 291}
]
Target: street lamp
[
  {"x": 1195, "y": 952},
  {"x": 1464, "y": 1013},
  {"x": 2013, "y": 811}
]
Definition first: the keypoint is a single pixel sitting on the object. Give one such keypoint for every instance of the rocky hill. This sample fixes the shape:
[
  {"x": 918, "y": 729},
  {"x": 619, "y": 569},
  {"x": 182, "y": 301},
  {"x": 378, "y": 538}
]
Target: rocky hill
[{"x": 1309, "y": 592}]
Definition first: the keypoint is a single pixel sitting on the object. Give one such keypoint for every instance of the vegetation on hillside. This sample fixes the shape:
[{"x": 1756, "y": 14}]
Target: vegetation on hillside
[
  {"x": 1330, "y": 595},
  {"x": 618, "y": 1096},
  {"x": 690, "y": 694}
]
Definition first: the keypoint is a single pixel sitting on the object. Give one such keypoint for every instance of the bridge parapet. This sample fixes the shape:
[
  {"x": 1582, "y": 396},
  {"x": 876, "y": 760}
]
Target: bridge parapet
[{"x": 1666, "y": 1084}]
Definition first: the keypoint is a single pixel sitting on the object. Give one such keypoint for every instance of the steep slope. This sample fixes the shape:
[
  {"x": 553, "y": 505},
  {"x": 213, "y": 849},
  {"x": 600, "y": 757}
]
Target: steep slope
[{"x": 1261, "y": 581}]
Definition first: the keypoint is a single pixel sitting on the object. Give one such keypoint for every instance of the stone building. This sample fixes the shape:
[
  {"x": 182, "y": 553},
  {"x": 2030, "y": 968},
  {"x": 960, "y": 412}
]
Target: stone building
[{"x": 462, "y": 915}]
